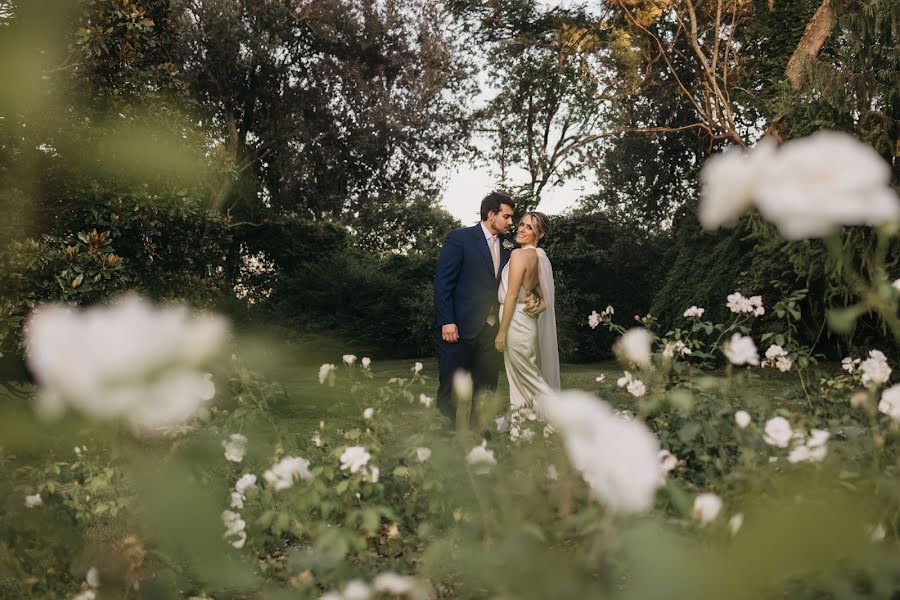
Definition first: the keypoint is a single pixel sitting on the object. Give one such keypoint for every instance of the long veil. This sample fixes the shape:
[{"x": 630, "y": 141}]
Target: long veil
[{"x": 548, "y": 349}]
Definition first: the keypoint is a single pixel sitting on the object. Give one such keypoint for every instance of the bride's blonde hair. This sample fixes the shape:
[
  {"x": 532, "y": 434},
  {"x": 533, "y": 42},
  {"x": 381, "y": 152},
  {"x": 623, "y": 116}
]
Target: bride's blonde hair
[{"x": 541, "y": 225}]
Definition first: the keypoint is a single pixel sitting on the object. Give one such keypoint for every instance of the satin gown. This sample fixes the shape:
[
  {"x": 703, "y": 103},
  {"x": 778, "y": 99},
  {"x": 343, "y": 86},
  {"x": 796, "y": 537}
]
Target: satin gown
[{"x": 522, "y": 360}]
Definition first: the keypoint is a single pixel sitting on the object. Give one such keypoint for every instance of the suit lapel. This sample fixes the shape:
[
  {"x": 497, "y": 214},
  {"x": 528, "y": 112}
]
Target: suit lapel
[{"x": 484, "y": 248}]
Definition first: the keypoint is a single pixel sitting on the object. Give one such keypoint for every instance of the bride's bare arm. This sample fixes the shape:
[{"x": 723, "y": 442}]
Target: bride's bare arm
[{"x": 516, "y": 274}]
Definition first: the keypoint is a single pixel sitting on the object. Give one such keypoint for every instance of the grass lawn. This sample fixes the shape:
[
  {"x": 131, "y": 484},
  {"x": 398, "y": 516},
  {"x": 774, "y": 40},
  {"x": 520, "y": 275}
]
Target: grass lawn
[{"x": 307, "y": 402}]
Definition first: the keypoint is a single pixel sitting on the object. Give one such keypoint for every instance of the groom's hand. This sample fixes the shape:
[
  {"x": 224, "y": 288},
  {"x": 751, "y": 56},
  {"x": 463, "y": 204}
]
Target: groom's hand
[{"x": 450, "y": 333}]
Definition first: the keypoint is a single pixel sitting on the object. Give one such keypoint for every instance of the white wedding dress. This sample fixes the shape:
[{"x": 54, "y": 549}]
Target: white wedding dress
[{"x": 532, "y": 354}]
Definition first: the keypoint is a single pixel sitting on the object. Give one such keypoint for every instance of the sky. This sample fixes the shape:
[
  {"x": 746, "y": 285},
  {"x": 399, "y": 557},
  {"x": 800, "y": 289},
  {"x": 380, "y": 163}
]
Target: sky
[{"x": 467, "y": 184}]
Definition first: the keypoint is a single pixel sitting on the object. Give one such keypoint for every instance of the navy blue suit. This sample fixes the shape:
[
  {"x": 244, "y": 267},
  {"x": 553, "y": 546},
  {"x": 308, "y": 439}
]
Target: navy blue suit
[{"x": 465, "y": 291}]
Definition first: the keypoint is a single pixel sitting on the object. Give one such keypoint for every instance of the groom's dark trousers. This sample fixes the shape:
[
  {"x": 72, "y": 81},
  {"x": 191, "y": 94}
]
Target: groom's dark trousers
[{"x": 465, "y": 293}]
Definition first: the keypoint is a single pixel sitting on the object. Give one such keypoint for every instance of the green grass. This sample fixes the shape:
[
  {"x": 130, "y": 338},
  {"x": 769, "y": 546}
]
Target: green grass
[{"x": 307, "y": 402}]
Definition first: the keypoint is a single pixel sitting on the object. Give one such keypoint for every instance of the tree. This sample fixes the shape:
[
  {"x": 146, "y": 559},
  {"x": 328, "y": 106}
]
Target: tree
[{"x": 326, "y": 109}]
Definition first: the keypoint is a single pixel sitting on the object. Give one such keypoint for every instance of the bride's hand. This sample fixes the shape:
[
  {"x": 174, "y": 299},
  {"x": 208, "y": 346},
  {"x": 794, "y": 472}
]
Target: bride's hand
[
  {"x": 500, "y": 342},
  {"x": 534, "y": 306}
]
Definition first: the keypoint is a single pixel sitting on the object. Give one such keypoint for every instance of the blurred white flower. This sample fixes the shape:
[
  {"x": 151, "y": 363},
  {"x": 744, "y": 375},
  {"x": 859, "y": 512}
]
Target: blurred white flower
[
  {"x": 373, "y": 474},
  {"x": 85, "y": 595},
  {"x": 875, "y": 368},
  {"x": 634, "y": 345},
  {"x": 809, "y": 187},
  {"x": 694, "y": 311},
  {"x": 706, "y": 508},
  {"x": 799, "y": 454},
  {"x": 624, "y": 379},
  {"x": 349, "y": 359},
  {"x": 783, "y": 364},
  {"x": 354, "y": 459},
  {"x": 896, "y": 284},
  {"x": 366, "y": 362},
  {"x": 819, "y": 183},
  {"x": 636, "y": 388},
  {"x": 741, "y": 350},
  {"x": 890, "y": 402},
  {"x": 774, "y": 351},
  {"x": 850, "y": 364},
  {"x": 235, "y": 447},
  {"x": 425, "y": 401},
  {"x": 247, "y": 481},
  {"x": 481, "y": 458},
  {"x": 878, "y": 533},
  {"x": 778, "y": 432},
  {"x": 742, "y": 418},
  {"x": 423, "y": 454},
  {"x": 368, "y": 413},
  {"x": 417, "y": 368},
  {"x": 283, "y": 473},
  {"x": 92, "y": 577},
  {"x": 502, "y": 424},
  {"x": 140, "y": 362},
  {"x": 235, "y": 527},
  {"x": 608, "y": 311},
  {"x": 667, "y": 461},
  {"x": 462, "y": 385},
  {"x": 618, "y": 459},
  {"x": 600, "y": 378},
  {"x": 735, "y": 523},
  {"x": 393, "y": 584},
  {"x": 552, "y": 473},
  {"x": 317, "y": 440},
  {"x": 324, "y": 371},
  {"x": 593, "y": 319},
  {"x": 729, "y": 182},
  {"x": 33, "y": 501},
  {"x": 356, "y": 590},
  {"x": 237, "y": 500}
]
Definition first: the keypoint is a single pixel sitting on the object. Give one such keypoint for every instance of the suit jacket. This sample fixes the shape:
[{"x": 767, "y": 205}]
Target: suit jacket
[{"x": 465, "y": 287}]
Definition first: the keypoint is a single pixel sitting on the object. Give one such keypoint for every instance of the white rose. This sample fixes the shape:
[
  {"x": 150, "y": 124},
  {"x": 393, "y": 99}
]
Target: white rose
[
  {"x": 778, "y": 432},
  {"x": 636, "y": 388},
  {"x": 875, "y": 368},
  {"x": 354, "y": 458},
  {"x": 366, "y": 362},
  {"x": 349, "y": 359},
  {"x": 283, "y": 474},
  {"x": 481, "y": 458},
  {"x": 822, "y": 182},
  {"x": 706, "y": 508},
  {"x": 634, "y": 345},
  {"x": 235, "y": 447},
  {"x": 694, "y": 311},
  {"x": 423, "y": 454},
  {"x": 729, "y": 181},
  {"x": 462, "y": 385},
  {"x": 890, "y": 402},
  {"x": 742, "y": 418},
  {"x": 417, "y": 368},
  {"x": 617, "y": 458},
  {"x": 593, "y": 319},
  {"x": 425, "y": 401},
  {"x": 324, "y": 371},
  {"x": 741, "y": 350},
  {"x": 368, "y": 413},
  {"x": 735, "y": 523},
  {"x": 33, "y": 501}
]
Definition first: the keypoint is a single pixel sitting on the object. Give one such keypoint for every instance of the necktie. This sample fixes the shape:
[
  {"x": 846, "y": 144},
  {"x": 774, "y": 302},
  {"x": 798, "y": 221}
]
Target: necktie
[{"x": 495, "y": 254}]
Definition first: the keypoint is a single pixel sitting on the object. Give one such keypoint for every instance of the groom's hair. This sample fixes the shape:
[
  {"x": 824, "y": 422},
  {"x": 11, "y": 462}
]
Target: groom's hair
[{"x": 493, "y": 201}]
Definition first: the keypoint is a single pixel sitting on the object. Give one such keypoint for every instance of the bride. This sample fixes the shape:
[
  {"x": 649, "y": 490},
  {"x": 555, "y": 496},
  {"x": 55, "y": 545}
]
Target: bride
[{"x": 527, "y": 334}]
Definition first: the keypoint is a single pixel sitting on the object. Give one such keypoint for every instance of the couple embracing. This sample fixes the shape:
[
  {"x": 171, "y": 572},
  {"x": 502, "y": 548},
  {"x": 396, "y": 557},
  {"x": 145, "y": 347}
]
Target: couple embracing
[{"x": 494, "y": 298}]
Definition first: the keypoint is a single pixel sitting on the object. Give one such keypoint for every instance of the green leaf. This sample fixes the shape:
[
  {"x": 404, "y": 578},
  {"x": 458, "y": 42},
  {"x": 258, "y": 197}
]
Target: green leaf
[{"x": 843, "y": 320}]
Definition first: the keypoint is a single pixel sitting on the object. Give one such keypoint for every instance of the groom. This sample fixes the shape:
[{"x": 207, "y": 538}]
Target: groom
[{"x": 465, "y": 302}]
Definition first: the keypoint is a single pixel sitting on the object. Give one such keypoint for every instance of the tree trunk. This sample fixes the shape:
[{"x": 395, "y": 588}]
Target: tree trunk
[{"x": 817, "y": 32}]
